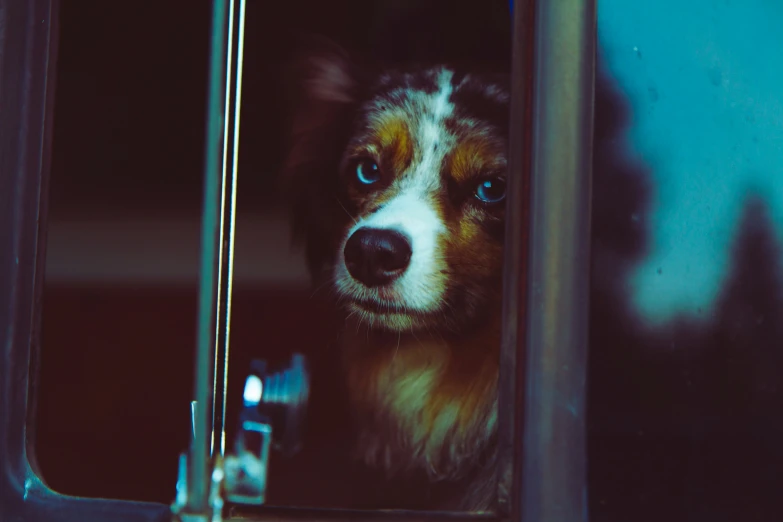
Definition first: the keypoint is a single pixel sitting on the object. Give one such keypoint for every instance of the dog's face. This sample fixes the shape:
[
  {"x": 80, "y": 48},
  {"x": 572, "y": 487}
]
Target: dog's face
[{"x": 420, "y": 184}]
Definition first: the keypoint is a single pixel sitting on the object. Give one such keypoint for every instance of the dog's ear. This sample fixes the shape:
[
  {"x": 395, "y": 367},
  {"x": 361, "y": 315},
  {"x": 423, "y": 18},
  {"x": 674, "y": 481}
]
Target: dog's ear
[
  {"x": 324, "y": 72},
  {"x": 322, "y": 86},
  {"x": 331, "y": 75},
  {"x": 324, "y": 90}
]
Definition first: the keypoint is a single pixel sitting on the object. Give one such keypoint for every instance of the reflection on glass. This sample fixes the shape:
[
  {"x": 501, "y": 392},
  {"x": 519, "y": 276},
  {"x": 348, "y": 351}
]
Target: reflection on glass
[{"x": 686, "y": 360}]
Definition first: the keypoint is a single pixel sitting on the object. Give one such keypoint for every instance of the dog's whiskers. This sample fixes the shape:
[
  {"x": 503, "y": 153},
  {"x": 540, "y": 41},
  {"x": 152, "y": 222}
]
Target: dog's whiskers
[
  {"x": 322, "y": 286},
  {"x": 345, "y": 209}
]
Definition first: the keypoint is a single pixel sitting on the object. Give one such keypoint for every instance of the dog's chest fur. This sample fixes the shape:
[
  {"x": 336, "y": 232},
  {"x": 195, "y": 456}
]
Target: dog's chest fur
[{"x": 421, "y": 409}]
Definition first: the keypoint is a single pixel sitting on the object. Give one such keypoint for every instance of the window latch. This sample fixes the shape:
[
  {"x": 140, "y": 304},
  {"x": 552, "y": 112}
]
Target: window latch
[{"x": 274, "y": 406}]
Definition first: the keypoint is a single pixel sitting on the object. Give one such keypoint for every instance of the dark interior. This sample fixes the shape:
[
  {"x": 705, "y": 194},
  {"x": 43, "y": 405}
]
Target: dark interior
[
  {"x": 125, "y": 199},
  {"x": 685, "y": 423}
]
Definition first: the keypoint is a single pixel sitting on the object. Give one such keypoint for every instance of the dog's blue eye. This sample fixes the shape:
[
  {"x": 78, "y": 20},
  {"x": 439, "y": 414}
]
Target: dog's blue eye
[
  {"x": 491, "y": 190},
  {"x": 367, "y": 172}
]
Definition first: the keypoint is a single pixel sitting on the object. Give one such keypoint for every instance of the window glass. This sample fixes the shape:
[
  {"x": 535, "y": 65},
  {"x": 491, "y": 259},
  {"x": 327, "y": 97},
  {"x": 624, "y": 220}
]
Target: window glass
[
  {"x": 119, "y": 298},
  {"x": 122, "y": 261},
  {"x": 686, "y": 365}
]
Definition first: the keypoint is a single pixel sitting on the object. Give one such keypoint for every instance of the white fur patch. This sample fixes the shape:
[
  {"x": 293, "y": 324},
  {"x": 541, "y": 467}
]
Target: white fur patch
[
  {"x": 432, "y": 136},
  {"x": 412, "y": 214},
  {"x": 411, "y": 211}
]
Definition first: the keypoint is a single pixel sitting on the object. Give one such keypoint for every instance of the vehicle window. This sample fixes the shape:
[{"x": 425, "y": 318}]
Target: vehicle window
[
  {"x": 685, "y": 359},
  {"x": 410, "y": 422}
]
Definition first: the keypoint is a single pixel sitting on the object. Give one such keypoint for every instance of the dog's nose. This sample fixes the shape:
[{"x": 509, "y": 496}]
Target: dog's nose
[{"x": 376, "y": 256}]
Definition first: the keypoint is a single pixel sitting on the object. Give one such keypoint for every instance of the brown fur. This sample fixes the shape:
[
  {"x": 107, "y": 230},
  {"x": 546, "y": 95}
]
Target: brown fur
[{"x": 432, "y": 401}]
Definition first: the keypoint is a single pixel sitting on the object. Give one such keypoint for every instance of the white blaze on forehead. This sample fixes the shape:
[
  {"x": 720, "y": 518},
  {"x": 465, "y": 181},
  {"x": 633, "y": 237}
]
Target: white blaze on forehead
[
  {"x": 432, "y": 138},
  {"x": 426, "y": 114}
]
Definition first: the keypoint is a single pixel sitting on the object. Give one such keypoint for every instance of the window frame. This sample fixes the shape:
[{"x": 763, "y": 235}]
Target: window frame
[
  {"x": 529, "y": 382},
  {"x": 28, "y": 55}
]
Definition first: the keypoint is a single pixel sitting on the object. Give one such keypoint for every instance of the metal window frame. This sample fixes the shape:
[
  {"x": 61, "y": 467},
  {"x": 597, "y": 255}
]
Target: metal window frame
[
  {"x": 543, "y": 376},
  {"x": 28, "y": 53}
]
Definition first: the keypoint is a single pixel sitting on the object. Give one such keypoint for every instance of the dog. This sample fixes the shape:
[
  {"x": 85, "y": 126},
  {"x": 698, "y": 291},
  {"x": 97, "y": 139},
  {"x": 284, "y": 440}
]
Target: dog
[{"x": 396, "y": 180}]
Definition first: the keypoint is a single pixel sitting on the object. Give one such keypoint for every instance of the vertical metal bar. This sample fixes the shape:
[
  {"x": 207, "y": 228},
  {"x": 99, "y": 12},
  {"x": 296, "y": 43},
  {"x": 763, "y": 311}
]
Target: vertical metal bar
[
  {"x": 510, "y": 403},
  {"x": 554, "y": 451},
  {"x": 221, "y": 241},
  {"x": 228, "y": 221},
  {"x": 205, "y": 341},
  {"x": 232, "y": 223}
]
